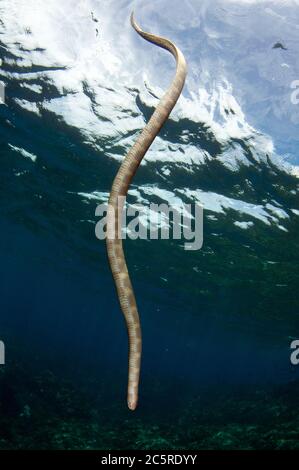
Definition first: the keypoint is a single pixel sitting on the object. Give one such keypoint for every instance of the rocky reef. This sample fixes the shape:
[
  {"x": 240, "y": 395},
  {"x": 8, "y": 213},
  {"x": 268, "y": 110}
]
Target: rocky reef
[{"x": 40, "y": 411}]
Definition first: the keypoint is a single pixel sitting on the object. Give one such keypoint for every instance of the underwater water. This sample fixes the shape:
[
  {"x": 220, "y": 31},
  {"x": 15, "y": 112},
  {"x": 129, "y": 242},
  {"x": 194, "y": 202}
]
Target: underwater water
[{"x": 217, "y": 323}]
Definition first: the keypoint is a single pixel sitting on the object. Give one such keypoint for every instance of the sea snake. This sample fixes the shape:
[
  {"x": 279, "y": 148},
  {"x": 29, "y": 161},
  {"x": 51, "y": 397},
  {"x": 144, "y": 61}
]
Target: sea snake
[{"x": 118, "y": 193}]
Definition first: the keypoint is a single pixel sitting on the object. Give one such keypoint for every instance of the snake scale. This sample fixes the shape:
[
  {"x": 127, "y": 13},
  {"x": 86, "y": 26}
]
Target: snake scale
[{"x": 118, "y": 193}]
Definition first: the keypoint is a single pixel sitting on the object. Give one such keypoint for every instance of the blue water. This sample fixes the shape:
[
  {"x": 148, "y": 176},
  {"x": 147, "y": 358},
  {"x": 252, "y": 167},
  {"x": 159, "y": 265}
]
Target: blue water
[
  {"x": 225, "y": 329},
  {"x": 59, "y": 308}
]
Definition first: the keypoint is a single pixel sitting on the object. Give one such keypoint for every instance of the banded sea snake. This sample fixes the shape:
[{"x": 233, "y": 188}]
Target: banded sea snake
[{"x": 118, "y": 193}]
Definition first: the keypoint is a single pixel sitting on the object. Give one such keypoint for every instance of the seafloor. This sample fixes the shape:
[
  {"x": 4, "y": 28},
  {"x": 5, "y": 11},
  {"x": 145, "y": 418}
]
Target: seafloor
[{"x": 39, "y": 410}]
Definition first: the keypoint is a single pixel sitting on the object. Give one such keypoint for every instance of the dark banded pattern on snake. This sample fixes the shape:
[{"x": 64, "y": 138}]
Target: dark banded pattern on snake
[{"x": 117, "y": 197}]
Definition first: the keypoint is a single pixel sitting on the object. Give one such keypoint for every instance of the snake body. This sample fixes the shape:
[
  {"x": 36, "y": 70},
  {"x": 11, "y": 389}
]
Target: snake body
[{"x": 118, "y": 193}]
